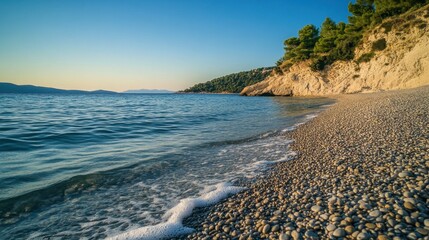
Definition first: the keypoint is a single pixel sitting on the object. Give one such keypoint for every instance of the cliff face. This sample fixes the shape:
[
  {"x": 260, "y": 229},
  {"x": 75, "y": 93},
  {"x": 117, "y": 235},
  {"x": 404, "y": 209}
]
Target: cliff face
[{"x": 400, "y": 49}]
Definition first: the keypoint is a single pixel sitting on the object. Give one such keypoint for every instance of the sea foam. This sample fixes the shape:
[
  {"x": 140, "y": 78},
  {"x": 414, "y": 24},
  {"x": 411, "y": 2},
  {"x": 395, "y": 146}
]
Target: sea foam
[
  {"x": 173, "y": 226},
  {"x": 214, "y": 193}
]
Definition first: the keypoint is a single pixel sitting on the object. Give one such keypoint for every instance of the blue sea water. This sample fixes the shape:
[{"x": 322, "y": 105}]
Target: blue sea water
[{"x": 94, "y": 166}]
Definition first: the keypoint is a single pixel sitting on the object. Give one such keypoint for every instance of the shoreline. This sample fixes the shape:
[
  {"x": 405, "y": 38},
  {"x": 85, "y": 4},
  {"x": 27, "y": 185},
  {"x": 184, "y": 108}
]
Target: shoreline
[{"x": 361, "y": 173}]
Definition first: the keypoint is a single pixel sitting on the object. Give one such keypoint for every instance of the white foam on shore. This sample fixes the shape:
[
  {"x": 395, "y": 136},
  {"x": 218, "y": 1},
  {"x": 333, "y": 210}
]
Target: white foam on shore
[
  {"x": 173, "y": 226},
  {"x": 273, "y": 149},
  {"x": 306, "y": 119}
]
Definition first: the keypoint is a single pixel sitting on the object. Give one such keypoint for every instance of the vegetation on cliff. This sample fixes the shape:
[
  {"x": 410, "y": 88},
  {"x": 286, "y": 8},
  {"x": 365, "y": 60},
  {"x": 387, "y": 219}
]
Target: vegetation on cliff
[
  {"x": 337, "y": 41},
  {"x": 232, "y": 83}
]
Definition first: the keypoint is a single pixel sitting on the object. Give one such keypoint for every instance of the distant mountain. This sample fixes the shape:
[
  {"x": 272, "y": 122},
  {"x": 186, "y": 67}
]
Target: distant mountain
[
  {"x": 148, "y": 91},
  {"x": 13, "y": 88}
]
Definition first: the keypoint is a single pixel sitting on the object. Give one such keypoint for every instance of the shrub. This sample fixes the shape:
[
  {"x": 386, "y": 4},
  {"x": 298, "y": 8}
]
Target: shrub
[
  {"x": 278, "y": 70},
  {"x": 417, "y": 22},
  {"x": 366, "y": 57},
  {"x": 319, "y": 63},
  {"x": 379, "y": 45},
  {"x": 286, "y": 65},
  {"x": 411, "y": 17},
  {"x": 387, "y": 26}
]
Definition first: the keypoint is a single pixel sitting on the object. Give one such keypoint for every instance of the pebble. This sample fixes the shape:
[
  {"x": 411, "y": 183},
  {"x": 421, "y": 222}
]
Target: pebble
[
  {"x": 316, "y": 208},
  {"x": 296, "y": 235},
  {"x": 266, "y": 228},
  {"x": 330, "y": 227},
  {"x": 404, "y": 174},
  {"x": 283, "y": 236},
  {"x": 423, "y": 231},
  {"x": 311, "y": 235},
  {"x": 382, "y": 237},
  {"x": 374, "y": 213},
  {"x": 363, "y": 236},
  {"x": 409, "y": 206},
  {"x": 370, "y": 225},
  {"x": 275, "y": 228},
  {"x": 339, "y": 232},
  {"x": 349, "y": 229}
]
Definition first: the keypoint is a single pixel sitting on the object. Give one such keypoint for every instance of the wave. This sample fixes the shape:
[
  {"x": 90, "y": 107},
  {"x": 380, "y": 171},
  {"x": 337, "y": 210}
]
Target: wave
[{"x": 173, "y": 226}]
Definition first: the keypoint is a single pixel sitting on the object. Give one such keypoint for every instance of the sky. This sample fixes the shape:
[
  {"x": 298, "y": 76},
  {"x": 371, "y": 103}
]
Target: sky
[{"x": 143, "y": 44}]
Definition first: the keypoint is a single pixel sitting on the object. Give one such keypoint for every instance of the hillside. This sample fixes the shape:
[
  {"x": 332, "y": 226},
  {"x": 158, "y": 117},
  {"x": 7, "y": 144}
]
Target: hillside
[
  {"x": 391, "y": 55},
  {"x": 13, "y": 88},
  {"x": 232, "y": 83}
]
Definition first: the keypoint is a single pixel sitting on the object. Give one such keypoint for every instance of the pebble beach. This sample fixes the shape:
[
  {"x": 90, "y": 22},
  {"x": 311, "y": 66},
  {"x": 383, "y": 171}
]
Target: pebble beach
[{"x": 361, "y": 172}]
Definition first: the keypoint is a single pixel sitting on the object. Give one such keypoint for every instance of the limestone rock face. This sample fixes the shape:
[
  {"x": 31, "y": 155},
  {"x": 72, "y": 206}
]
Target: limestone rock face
[{"x": 403, "y": 63}]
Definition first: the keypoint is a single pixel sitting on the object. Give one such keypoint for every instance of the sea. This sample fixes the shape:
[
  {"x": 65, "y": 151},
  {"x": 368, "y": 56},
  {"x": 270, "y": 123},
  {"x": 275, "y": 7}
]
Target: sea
[{"x": 133, "y": 166}]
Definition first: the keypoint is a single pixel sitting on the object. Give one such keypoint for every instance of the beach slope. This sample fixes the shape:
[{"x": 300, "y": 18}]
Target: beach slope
[{"x": 361, "y": 173}]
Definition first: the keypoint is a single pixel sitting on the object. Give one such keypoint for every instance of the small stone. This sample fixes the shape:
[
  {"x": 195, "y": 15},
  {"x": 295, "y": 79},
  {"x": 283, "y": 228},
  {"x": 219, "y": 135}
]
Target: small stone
[
  {"x": 275, "y": 228},
  {"x": 382, "y": 237},
  {"x": 364, "y": 206},
  {"x": 402, "y": 212},
  {"x": 266, "y": 229},
  {"x": 370, "y": 225},
  {"x": 311, "y": 235},
  {"x": 374, "y": 213},
  {"x": 412, "y": 235},
  {"x": 407, "y": 194},
  {"x": 422, "y": 231},
  {"x": 331, "y": 227},
  {"x": 426, "y": 222},
  {"x": 409, "y": 205},
  {"x": 339, "y": 232},
  {"x": 295, "y": 235},
  {"x": 411, "y": 200},
  {"x": 283, "y": 236},
  {"x": 348, "y": 220},
  {"x": 316, "y": 208},
  {"x": 363, "y": 236},
  {"x": 404, "y": 174},
  {"x": 350, "y": 229}
]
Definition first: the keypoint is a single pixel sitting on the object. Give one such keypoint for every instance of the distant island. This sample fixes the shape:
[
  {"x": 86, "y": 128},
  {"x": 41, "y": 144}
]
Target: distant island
[
  {"x": 232, "y": 83},
  {"x": 13, "y": 88},
  {"x": 146, "y": 91}
]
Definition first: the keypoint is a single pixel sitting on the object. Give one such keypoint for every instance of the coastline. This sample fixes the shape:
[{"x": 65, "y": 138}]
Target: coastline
[{"x": 361, "y": 173}]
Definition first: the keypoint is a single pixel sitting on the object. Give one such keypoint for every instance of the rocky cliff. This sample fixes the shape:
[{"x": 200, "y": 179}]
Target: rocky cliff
[{"x": 394, "y": 55}]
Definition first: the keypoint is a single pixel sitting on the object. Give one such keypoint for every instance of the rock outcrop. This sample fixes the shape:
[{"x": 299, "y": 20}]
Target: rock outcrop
[{"x": 397, "y": 54}]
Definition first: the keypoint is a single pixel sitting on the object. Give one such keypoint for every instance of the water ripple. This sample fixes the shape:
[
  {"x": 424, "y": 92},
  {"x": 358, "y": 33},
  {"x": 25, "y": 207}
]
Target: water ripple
[{"x": 89, "y": 166}]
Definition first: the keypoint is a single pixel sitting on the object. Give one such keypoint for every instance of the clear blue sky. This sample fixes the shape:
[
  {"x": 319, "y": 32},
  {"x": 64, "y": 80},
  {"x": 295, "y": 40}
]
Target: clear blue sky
[{"x": 120, "y": 45}]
